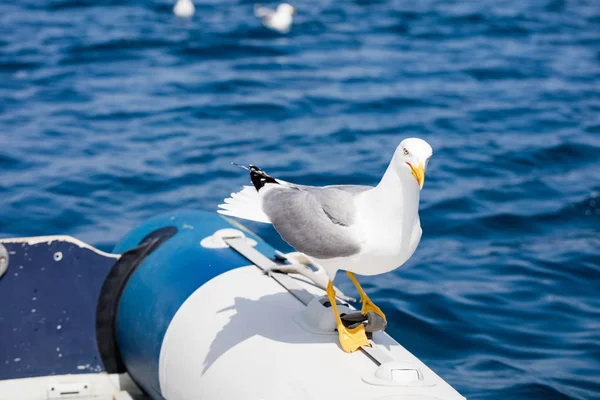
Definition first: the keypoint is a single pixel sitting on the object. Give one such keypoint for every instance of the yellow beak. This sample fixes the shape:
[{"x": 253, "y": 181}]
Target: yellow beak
[{"x": 419, "y": 174}]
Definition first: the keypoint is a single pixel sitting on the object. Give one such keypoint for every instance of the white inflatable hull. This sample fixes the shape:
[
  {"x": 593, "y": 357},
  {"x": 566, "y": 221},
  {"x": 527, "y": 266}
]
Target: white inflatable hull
[{"x": 241, "y": 336}]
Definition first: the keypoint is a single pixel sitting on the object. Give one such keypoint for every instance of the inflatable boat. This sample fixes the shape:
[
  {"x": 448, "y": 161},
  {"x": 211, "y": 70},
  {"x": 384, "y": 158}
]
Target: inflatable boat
[{"x": 182, "y": 309}]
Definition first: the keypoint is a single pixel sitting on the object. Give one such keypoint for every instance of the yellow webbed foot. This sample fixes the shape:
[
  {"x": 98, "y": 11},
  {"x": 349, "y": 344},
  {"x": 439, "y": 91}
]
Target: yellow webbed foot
[
  {"x": 367, "y": 304},
  {"x": 352, "y": 339}
]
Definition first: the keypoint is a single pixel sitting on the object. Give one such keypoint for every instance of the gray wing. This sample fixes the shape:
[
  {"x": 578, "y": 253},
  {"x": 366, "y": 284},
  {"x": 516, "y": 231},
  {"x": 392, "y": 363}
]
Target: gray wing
[
  {"x": 337, "y": 201},
  {"x": 315, "y": 220}
]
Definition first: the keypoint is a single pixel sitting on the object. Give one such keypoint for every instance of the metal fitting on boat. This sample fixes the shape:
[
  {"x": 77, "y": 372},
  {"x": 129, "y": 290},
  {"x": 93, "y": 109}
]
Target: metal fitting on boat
[{"x": 3, "y": 260}]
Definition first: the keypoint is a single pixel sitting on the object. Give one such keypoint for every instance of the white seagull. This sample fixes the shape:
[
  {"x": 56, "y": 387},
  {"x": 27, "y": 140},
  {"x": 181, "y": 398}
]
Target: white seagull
[
  {"x": 279, "y": 20},
  {"x": 361, "y": 229},
  {"x": 184, "y": 8}
]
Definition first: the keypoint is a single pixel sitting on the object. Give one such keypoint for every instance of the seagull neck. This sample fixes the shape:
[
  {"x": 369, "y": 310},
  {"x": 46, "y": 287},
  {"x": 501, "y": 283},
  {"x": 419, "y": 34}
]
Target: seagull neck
[
  {"x": 392, "y": 183},
  {"x": 390, "y": 179}
]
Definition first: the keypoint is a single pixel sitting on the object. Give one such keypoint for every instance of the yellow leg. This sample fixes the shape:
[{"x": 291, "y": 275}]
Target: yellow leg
[
  {"x": 367, "y": 304},
  {"x": 350, "y": 339}
]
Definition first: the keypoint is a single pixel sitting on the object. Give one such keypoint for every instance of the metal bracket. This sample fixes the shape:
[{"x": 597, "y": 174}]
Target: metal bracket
[
  {"x": 265, "y": 264},
  {"x": 373, "y": 321},
  {"x": 3, "y": 260}
]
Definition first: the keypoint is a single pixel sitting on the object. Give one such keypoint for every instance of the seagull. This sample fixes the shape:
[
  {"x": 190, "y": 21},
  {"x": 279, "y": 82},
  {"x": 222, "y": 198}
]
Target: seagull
[
  {"x": 364, "y": 230},
  {"x": 184, "y": 8},
  {"x": 279, "y": 20}
]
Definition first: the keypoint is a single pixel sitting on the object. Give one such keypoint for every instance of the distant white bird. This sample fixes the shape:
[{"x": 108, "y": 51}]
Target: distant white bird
[
  {"x": 279, "y": 20},
  {"x": 184, "y": 8},
  {"x": 361, "y": 229}
]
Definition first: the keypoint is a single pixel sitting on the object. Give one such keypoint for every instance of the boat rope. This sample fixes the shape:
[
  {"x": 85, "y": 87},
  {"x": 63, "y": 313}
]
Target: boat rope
[{"x": 239, "y": 244}]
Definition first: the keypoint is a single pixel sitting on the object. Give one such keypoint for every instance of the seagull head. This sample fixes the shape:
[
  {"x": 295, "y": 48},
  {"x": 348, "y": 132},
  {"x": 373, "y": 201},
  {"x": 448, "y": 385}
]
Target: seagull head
[
  {"x": 411, "y": 158},
  {"x": 286, "y": 8}
]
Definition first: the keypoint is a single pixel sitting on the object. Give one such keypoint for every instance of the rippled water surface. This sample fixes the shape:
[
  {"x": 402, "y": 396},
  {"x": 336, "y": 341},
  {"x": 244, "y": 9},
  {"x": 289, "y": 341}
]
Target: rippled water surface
[{"x": 112, "y": 112}]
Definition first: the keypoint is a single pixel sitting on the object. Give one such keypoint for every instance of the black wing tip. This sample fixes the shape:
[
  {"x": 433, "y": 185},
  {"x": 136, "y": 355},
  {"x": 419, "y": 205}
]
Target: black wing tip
[{"x": 259, "y": 178}]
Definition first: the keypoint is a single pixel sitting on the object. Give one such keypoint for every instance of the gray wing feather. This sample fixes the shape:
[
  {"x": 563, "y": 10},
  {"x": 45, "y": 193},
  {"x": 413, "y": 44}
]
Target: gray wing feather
[
  {"x": 337, "y": 204},
  {"x": 314, "y": 220}
]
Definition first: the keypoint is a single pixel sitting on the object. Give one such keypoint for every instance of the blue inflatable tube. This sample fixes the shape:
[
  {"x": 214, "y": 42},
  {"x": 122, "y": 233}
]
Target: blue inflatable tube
[{"x": 163, "y": 281}]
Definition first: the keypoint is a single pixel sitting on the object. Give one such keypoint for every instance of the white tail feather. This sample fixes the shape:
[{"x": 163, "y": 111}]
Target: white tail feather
[{"x": 245, "y": 204}]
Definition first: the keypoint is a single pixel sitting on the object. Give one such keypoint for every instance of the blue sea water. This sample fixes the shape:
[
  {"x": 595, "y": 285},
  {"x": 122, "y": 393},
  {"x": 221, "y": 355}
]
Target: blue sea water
[{"x": 112, "y": 112}]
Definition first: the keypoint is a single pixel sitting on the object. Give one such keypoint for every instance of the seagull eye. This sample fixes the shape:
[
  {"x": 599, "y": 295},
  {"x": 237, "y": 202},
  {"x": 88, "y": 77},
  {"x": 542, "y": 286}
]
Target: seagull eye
[{"x": 405, "y": 152}]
